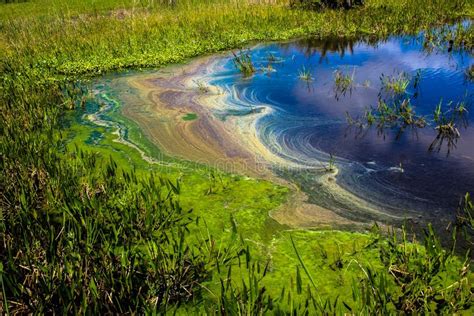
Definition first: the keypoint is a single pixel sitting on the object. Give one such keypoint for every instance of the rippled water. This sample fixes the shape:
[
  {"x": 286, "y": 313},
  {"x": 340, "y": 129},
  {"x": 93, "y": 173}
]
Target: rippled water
[{"x": 393, "y": 170}]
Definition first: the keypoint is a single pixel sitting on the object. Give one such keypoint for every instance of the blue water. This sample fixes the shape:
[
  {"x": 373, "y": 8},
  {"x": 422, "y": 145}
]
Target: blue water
[{"x": 395, "y": 171}]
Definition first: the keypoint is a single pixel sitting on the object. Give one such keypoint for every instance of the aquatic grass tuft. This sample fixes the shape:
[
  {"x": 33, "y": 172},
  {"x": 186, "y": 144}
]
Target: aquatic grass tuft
[
  {"x": 343, "y": 82},
  {"x": 398, "y": 114},
  {"x": 447, "y": 131},
  {"x": 396, "y": 84},
  {"x": 243, "y": 62},
  {"x": 446, "y": 125},
  {"x": 305, "y": 74}
]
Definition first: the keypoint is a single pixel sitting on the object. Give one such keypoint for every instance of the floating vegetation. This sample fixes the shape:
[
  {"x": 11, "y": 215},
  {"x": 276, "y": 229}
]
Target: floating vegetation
[
  {"x": 243, "y": 62},
  {"x": 190, "y": 117},
  {"x": 343, "y": 82},
  {"x": 305, "y": 74}
]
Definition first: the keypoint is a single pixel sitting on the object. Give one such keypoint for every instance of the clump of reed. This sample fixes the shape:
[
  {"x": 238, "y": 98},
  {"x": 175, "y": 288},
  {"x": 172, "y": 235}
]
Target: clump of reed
[
  {"x": 398, "y": 114},
  {"x": 305, "y": 74},
  {"x": 343, "y": 82},
  {"x": 243, "y": 62},
  {"x": 396, "y": 85},
  {"x": 446, "y": 127}
]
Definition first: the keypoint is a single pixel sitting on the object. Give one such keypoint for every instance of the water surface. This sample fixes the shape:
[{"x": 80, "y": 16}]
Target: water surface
[{"x": 394, "y": 171}]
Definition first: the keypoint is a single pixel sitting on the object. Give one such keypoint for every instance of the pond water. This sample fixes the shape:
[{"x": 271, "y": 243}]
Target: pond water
[
  {"x": 299, "y": 114},
  {"x": 392, "y": 167}
]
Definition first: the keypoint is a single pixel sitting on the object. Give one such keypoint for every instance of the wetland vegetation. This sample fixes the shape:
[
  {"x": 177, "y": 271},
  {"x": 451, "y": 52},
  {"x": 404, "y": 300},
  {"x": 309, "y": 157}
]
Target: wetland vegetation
[{"x": 97, "y": 218}]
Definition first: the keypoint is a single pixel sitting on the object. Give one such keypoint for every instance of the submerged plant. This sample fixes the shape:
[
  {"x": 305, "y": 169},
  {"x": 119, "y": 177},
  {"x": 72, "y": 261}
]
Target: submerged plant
[
  {"x": 243, "y": 62},
  {"x": 438, "y": 114}
]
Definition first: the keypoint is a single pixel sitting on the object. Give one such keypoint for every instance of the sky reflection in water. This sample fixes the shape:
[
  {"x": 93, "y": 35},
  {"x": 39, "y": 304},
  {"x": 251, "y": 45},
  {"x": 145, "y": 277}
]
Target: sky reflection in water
[{"x": 309, "y": 122}]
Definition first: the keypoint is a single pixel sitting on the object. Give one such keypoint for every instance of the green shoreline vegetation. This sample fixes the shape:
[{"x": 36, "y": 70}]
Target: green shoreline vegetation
[{"x": 88, "y": 226}]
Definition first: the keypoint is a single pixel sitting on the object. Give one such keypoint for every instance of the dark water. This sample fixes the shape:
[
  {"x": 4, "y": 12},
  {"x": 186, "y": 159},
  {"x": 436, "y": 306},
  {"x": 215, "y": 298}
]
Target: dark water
[{"x": 392, "y": 169}]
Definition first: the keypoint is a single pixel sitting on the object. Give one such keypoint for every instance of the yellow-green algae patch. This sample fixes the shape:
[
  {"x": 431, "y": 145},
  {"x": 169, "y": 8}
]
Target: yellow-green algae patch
[{"x": 223, "y": 200}]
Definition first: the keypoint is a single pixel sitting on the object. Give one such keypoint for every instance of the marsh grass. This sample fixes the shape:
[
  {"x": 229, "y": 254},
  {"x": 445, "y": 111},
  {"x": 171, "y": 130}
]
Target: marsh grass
[
  {"x": 447, "y": 125},
  {"x": 243, "y": 62},
  {"x": 417, "y": 280},
  {"x": 465, "y": 219},
  {"x": 450, "y": 38},
  {"x": 305, "y": 74},
  {"x": 396, "y": 84},
  {"x": 343, "y": 83},
  {"x": 399, "y": 114}
]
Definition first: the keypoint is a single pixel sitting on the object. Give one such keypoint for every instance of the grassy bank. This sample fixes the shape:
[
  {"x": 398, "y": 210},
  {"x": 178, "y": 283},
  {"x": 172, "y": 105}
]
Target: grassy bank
[{"x": 95, "y": 229}]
